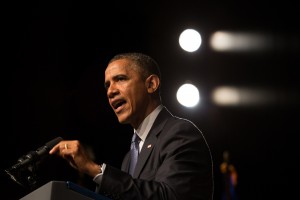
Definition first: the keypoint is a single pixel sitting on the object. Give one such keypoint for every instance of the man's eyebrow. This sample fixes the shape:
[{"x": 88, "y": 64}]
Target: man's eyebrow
[{"x": 116, "y": 77}]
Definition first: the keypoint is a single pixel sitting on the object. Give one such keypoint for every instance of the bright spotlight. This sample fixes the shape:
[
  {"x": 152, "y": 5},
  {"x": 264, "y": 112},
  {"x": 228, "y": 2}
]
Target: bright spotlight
[
  {"x": 190, "y": 40},
  {"x": 241, "y": 96},
  {"x": 188, "y": 95},
  {"x": 226, "y": 96},
  {"x": 238, "y": 41}
]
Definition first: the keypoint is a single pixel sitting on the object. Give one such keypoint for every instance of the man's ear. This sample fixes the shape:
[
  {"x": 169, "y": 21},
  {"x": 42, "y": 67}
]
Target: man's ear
[{"x": 152, "y": 83}]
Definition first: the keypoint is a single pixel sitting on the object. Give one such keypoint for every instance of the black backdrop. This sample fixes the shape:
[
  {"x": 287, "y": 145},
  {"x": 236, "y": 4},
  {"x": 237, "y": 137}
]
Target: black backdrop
[{"x": 56, "y": 53}]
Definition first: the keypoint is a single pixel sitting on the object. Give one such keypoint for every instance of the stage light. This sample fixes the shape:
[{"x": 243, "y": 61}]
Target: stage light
[
  {"x": 190, "y": 40},
  {"x": 188, "y": 95}
]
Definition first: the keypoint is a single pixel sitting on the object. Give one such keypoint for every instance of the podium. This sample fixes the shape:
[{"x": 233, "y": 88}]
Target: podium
[{"x": 63, "y": 190}]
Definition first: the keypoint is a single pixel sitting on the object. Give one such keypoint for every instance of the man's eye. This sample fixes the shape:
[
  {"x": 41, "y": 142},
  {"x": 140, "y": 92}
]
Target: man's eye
[
  {"x": 106, "y": 86},
  {"x": 121, "y": 78}
]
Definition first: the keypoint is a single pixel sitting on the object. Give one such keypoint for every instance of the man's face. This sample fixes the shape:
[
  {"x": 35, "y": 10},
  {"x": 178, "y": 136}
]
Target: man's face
[{"x": 126, "y": 92}]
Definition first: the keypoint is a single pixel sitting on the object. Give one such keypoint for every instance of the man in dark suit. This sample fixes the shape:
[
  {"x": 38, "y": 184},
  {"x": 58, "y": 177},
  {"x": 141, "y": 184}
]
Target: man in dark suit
[{"x": 174, "y": 158}]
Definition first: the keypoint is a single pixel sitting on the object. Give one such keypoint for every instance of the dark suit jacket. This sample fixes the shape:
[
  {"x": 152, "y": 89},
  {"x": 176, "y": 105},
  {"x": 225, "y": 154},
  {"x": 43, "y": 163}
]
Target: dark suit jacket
[{"x": 174, "y": 163}]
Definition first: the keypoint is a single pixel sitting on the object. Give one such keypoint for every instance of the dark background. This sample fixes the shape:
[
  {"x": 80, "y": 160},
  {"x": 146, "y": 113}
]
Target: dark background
[{"x": 57, "y": 51}]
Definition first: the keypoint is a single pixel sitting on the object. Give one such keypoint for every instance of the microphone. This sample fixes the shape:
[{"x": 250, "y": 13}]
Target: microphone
[
  {"x": 24, "y": 172},
  {"x": 36, "y": 155}
]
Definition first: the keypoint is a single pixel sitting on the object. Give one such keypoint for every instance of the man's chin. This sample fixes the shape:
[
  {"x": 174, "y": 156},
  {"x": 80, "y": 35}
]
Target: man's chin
[{"x": 122, "y": 119}]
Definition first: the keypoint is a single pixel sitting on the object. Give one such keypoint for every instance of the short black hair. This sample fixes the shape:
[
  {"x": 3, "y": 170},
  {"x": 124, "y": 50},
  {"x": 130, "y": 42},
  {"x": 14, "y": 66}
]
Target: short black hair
[{"x": 145, "y": 63}]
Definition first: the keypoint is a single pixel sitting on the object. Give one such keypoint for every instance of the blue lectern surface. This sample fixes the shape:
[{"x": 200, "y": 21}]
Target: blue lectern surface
[
  {"x": 62, "y": 190},
  {"x": 85, "y": 192}
]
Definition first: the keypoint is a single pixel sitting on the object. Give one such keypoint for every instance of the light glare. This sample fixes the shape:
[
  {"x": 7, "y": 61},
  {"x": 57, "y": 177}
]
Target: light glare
[
  {"x": 188, "y": 95},
  {"x": 237, "y": 41},
  {"x": 190, "y": 40}
]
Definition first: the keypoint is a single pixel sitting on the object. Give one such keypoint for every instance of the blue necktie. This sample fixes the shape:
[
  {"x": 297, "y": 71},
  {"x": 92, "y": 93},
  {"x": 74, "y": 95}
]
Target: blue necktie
[{"x": 134, "y": 152}]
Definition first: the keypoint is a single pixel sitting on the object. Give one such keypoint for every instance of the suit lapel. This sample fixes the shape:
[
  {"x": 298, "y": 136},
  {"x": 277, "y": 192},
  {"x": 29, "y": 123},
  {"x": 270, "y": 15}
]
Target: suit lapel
[
  {"x": 125, "y": 163},
  {"x": 150, "y": 141}
]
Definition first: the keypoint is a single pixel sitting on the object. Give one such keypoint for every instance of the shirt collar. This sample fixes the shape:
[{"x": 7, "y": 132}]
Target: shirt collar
[{"x": 147, "y": 123}]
